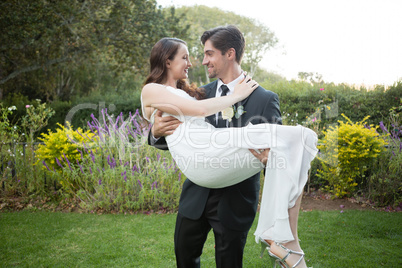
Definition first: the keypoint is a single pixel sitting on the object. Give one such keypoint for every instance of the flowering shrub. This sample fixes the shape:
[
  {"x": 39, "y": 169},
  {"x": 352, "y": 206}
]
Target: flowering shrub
[
  {"x": 346, "y": 152},
  {"x": 36, "y": 118},
  {"x": 313, "y": 121},
  {"x": 385, "y": 186},
  {"x": 8, "y": 131},
  {"x": 116, "y": 170},
  {"x": 62, "y": 146},
  {"x": 18, "y": 175},
  {"x": 8, "y": 134}
]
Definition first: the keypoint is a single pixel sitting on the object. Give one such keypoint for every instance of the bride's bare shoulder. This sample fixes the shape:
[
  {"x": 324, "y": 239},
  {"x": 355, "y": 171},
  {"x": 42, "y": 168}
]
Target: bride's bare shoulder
[
  {"x": 153, "y": 86},
  {"x": 152, "y": 89}
]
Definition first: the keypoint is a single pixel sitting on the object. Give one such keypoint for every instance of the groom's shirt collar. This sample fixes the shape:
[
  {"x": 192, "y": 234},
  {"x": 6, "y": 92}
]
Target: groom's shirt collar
[{"x": 231, "y": 85}]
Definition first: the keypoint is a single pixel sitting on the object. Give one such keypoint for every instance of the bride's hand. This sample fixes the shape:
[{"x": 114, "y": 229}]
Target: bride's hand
[{"x": 245, "y": 87}]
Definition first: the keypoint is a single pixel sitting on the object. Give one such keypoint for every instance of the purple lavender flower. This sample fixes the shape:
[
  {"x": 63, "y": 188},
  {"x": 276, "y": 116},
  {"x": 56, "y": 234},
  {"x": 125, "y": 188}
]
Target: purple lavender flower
[
  {"x": 78, "y": 163},
  {"x": 79, "y": 133},
  {"x": 113, "y": 162},
  {"x": 117, "y": 122},
  {"x": 85, "y": 148},
  {"x": 95, "y": 121},
  {"x": 108, "y": 160},
  {"x": 131, "y": 132},
  {"x": 139, "y": 183},
  {"x": 91, "y": 127},
  {"x": 134, "y": 168},
  {"x": 104, "y": 111},
  {"x": 44, "y": 163},
  {"x": 137, "y": 112},
  {"x": 383, "y": 127},
  {"x": 91, "y": 139},
  {"x": 82, "y": 155},
  {"x": 100, "y": 182},
  {"x": 68, "y": 162},
  {"x": 136, "y": 125},
  {"x": 92, "y": 156},
  {"x": 58, "y": 162},
  {"x": 71, "y": 139}
]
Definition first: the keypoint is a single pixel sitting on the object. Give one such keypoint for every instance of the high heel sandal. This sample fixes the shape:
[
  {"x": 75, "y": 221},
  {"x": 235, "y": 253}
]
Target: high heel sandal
[
  {"x": 282, "y": 261},
  {"x": 264, "y": 246}
]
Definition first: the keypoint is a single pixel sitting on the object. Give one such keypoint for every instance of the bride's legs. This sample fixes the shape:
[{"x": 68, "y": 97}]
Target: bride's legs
[{"x": 293, "y": 245}]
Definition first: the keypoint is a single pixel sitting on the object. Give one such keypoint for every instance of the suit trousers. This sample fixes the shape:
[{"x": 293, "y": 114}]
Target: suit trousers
[{"x": 190, "y": 236}]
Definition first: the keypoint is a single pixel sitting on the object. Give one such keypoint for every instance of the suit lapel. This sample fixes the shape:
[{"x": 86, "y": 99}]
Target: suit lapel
[
  {"x": 240, "y": 122},
  {"x": 210, "y": 91}
]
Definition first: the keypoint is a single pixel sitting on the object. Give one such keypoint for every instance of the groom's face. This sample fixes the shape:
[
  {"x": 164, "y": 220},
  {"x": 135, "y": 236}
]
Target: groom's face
[{"x": 214, "y": 60}]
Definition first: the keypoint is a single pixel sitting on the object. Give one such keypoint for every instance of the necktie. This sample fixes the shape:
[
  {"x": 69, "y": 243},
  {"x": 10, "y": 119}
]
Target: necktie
[{"x": 221, "y": 121}]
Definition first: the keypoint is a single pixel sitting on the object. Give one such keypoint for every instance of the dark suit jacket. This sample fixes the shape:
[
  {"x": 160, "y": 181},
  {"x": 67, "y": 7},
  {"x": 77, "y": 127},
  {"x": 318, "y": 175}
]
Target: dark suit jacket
[{"x": 239, "y": 202}]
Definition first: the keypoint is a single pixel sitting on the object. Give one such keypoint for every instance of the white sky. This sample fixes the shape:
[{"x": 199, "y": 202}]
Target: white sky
[{"x": 352, "y": 41}]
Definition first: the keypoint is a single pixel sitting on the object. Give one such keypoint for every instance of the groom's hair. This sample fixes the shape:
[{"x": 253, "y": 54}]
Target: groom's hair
[{"x": 224, "y": 38}]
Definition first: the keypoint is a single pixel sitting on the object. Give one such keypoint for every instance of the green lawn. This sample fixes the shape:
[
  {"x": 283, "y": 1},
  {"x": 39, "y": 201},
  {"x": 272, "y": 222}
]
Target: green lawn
[{"x": 55, "y": 239}]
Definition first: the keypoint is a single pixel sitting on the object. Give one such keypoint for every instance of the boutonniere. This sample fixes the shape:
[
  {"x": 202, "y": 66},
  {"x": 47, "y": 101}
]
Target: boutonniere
[{"x": 228, "y": 113}]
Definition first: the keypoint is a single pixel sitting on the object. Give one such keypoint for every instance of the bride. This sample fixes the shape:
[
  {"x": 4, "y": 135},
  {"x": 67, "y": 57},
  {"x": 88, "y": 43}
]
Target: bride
[{"x": 219, "y": 157}]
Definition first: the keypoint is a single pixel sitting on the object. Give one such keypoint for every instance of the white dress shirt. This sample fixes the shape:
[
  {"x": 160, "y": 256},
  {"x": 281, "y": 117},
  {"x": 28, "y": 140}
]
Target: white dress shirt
[{"x": 231, "y": 87}]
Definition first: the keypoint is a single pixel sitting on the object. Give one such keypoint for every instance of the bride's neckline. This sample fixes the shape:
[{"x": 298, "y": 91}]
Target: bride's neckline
[{"x": 169, "y": 86}]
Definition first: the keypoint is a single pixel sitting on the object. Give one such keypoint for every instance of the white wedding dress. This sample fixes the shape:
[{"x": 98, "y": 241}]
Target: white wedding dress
[{"x": 219, "y": 157}]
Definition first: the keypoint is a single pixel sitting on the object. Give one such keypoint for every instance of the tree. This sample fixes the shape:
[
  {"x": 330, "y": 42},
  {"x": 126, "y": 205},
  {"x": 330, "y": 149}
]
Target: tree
[
  {"x": 47, "y": 46},
  {"x": 259, "y": 38}
]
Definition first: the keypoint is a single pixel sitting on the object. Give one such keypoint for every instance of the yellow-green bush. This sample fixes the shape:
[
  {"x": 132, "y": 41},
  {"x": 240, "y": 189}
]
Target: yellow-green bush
[
  {"x": 345, "y": 154},
  {"x": 63, "y": 143}
]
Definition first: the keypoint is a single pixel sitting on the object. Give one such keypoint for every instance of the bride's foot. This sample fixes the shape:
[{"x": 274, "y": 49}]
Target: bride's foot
[{"x": 287, "y": 257}]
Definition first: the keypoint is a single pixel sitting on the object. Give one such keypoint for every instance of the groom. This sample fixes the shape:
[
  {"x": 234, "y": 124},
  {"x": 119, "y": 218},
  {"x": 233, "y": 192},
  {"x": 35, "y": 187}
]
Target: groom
[{"x": 229, "y": 211}]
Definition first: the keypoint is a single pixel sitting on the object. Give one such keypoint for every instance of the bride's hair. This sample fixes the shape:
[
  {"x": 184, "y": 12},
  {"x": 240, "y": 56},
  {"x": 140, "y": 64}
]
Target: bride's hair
[{"x": 165, "y": 49}]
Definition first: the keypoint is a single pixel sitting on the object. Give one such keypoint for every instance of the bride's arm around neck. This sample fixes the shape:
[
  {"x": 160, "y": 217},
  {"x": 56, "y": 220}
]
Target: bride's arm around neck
[{"x": 158, "y": 97}]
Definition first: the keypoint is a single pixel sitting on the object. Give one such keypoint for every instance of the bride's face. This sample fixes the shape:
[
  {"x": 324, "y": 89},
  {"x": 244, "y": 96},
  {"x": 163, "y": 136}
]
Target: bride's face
[{"x": 179, "y": 65}]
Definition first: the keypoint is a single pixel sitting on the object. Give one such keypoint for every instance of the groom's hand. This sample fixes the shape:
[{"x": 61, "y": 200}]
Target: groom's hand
[
  {"x": 261, "y": 155},
  {"x": 164, "y": 126}
]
